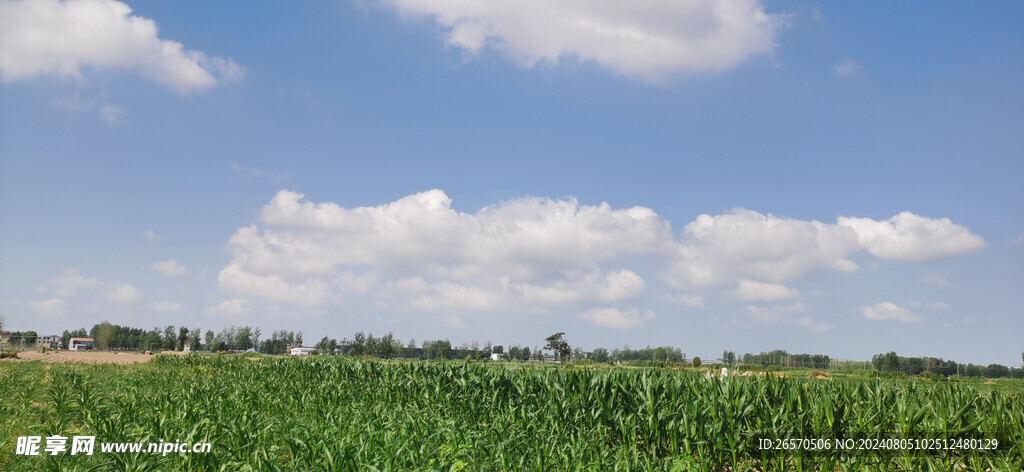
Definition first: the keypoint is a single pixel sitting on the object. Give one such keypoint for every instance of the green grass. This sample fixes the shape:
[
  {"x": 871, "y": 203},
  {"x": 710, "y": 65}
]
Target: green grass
[{"x": 275, "y": 413}]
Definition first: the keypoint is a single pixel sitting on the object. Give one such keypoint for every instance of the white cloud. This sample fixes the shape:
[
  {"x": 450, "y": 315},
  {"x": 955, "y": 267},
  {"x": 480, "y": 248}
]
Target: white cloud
[
  {"x": 49, "y": 307},
  {"x": 71, "y": 283},
  {"x": 64, "y": 38},
  {"x": 122, "y": 293},
  {"x": 150, "y": 236},
  {"x": 744, "y": 244},
  {"x": 793, "y": 315},
  {"x": 909, "y": 237},
  {"x": 431, "y": 257},
  {"x": 846, "y": 68},
  {"x": 170, "y": 268},
  {"x": 234, "y": 306},
  {"x": 165, "y": 306},
  {"x": 750, "y": 290},
  {"x": 418, "y": 253},
  {"x": 615, "y": 318},
  {"x": 650, "y": 39},
  {"x": 889, "y": 311}
]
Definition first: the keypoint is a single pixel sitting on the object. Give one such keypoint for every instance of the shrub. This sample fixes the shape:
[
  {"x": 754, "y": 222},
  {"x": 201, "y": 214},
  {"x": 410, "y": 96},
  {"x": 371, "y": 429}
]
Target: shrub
[{"x": 696, "y": 362}]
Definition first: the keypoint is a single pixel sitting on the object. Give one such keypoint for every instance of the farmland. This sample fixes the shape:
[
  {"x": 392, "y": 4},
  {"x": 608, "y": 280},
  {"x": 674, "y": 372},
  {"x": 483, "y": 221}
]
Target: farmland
[{"x": 271, "y": 413}]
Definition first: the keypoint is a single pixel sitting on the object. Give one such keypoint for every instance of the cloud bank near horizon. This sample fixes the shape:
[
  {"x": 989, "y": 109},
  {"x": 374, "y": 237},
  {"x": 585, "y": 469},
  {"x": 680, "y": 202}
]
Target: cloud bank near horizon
[{"x": 534, "y": 254}]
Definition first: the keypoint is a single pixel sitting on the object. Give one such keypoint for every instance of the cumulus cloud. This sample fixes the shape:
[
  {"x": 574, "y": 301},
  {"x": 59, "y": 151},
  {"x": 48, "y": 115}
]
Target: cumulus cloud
[
  {"x": 909, "y": 237},
  {"x": 744, "y": 244},
  {"x": 65, "y": 38},
  {"x": 232, "y": 307},
  {"x": 792, "y": 315},
  {"x": 649, "y": 39},
  {"x": 150, "y": 236},
  {"x": 889, "y": 311},
  {"x": 170, "y": 268},
  {"x": 615, "y": 318},
  {"x": 750, "y": 290},
  {"x": 165, "y": 306},
  {"x": 49, "y": 307},
  {"x": 421, "y": 251}
]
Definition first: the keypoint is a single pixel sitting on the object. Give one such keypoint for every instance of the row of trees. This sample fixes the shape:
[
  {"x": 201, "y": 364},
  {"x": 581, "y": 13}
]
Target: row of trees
[
  {"x": 781, "y": 358},
  {"x": 169, "y": 338},
  {"x": 240, "y": 338},
  {"x": 891, "y": 362}
]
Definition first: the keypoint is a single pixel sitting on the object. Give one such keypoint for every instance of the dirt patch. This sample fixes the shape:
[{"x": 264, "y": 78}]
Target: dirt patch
[
  {"x": 818, "y": 375},
  {"x": 85, "y": 357}
]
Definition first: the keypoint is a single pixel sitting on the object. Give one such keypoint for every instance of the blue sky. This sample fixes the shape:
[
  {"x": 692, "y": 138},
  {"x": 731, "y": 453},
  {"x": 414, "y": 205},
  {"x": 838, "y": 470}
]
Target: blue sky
[{"x": 825, "y": 178}]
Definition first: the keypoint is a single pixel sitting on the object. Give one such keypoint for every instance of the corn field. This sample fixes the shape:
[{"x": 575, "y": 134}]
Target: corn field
[{"x": 327, "y": 414}]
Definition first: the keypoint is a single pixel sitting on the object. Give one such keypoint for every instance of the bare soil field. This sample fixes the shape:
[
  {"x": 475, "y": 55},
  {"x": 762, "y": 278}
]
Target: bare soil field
[{"x": 85, "y": 357}]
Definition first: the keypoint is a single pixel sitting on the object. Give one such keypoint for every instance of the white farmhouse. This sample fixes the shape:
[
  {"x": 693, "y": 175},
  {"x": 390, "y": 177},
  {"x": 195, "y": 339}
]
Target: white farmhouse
[{"x": 303, "y": 351}]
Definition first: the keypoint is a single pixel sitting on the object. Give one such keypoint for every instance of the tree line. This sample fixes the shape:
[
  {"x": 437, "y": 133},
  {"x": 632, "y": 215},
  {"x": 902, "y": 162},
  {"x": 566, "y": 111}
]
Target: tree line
[
  {"x": 241, "y": 338},
  {"x": 891, "y": 362}
]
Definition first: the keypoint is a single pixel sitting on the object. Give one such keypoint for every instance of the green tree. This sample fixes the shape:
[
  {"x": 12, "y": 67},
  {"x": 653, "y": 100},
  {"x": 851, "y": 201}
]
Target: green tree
[
  {"x": 169, "y": 338},
  {"x": 560, "y": 346},
  {"x": 193, "y": 338},
  {"x": 600, "y": 354},
  {"x": 103, "y": 333},
  {"x": 324, "y": 346},
  {"x": 357, "y": 347},
  {"x": 254, "y": 338},
  {"x": 696, "y": 361},
  {"x": 182, "y": 337},
  {"x": 208, "y": 340}
]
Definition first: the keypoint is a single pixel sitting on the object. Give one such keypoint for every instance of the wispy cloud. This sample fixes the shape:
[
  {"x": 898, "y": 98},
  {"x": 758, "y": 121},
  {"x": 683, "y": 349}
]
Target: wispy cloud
[
  {"x": 257, "y": 173},
  {"x": 846, "y": 68}
]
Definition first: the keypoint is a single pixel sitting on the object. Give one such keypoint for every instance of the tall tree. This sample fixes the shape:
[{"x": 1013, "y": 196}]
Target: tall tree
[
  {"x": 103, "y": 334},
  {"x": 254, "y": 336},
  {"x": 182, "y": 337},
  {"x": 169, "y": 338},
  {"x": 193, "y": 337},
  {"x": 558, "y": 344}
]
